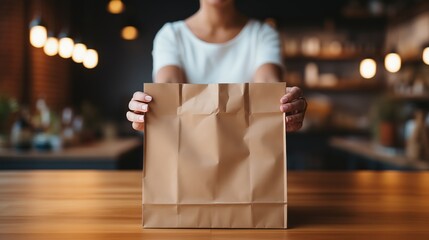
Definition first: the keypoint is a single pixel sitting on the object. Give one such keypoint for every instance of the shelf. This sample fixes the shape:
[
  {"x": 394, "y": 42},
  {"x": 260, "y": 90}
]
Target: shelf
[
  {"x": 329, "y": 132},
  {"x": 342, "y": 22},
  {"x": 324, "y": 57},
  {"x": 410, "y": 97},
  {"x": 372, "y": 85},
  {"x": 409, "y": 12},
  {"x": 342, "y": 89},
  {"x": 412, "y": 59}
]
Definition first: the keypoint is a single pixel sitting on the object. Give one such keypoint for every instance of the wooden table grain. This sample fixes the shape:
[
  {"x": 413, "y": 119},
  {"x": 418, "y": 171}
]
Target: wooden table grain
[{"x": 107, "y": 205}]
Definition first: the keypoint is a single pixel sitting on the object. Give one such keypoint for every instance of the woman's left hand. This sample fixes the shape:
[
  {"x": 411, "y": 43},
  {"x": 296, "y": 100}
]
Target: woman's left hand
[{"x": 294, "y": 105}]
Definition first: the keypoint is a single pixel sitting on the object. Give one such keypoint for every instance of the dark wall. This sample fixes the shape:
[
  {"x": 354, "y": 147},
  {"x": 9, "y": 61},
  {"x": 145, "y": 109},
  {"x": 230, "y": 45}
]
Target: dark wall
[{"x": 123, "y": 65}]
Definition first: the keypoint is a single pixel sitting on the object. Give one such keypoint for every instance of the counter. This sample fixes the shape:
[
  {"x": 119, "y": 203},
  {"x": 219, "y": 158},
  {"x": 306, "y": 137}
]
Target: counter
[
  {"x": 120, "y": 153},
  {"x": 377, "y": 154}
]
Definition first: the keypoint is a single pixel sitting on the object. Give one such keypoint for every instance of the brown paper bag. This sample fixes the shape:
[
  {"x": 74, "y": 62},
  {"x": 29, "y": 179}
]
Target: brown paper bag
[{"x": 214, "y": 156}]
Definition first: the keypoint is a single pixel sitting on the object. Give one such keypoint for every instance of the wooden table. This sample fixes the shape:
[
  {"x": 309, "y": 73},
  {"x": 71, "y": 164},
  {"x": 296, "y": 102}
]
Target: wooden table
[
  {"x": 107, "y": 205},
  {"x": 107, "y": 154}
]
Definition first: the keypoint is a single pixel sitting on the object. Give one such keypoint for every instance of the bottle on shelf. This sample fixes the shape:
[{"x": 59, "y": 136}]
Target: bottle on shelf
[
  {"x": 417, "y": 142},
  {"x": 41, "y": 122},
  {"x": 22, "y": 131}
]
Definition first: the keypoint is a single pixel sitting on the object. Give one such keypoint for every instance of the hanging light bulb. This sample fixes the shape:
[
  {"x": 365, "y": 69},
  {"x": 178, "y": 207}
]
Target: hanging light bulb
[
  {"x": 368, "y": 68},
  {"x": 66, "y": 45},
  {"x": 425, "y": 55},
  {"x": 79, "y": 52},
  {"x": 392, "y": 62},
  {"x": 115, "y": 6},
  {"x": 91, "y": 59},
  {"x": 51, "y": 46},
  {"x": 129, "y": 32},
  {"x": 38, "y": 34}
]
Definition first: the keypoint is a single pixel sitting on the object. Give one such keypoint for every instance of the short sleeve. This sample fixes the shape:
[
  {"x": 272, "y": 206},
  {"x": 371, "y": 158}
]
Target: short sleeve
[
  {"x": 269, "y": 47},
  {"x": 165, "y": 51}
]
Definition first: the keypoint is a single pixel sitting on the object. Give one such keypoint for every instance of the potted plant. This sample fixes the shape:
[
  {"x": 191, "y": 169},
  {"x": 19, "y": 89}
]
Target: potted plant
[
  {"x": 386, "y": 114},
  {"x": 7, "y": 107}
]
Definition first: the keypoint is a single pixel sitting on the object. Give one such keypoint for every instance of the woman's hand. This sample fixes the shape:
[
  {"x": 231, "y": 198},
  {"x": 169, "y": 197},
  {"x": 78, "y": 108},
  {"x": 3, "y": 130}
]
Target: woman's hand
[
  {"x": 294, "y": 105},
  {"x": 138, "y": 106}
]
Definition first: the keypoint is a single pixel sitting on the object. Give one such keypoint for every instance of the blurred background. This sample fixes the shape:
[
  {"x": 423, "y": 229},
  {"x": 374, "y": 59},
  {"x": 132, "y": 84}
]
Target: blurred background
[{"x": 68, "y": 69}]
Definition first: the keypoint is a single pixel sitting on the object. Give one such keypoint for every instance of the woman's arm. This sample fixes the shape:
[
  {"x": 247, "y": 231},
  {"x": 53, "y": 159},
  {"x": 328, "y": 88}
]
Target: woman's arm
[
  {"x": 166, "y": 68},
  {"x": 292, "y": 103},
  {"x": 170, "y": 74},
  {"x": 268, "y": 73}
]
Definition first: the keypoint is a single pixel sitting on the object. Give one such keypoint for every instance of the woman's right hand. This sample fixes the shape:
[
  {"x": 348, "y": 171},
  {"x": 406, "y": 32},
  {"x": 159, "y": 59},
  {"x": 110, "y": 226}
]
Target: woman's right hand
[{"x": 138, "y": 105}]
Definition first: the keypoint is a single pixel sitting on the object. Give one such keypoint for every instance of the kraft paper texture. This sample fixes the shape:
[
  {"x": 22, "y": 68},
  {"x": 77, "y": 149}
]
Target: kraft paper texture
[{"x": 215, "y": 156}]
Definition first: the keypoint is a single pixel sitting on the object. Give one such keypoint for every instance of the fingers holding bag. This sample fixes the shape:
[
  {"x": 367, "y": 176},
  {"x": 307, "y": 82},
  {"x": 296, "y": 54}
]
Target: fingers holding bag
[
  {"x": 138, "y": 106},
  {"x": 294, "y": 105}
]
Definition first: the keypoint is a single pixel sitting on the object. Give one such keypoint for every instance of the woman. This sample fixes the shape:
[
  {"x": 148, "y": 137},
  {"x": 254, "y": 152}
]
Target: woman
[{"x": 218, "y": 45}]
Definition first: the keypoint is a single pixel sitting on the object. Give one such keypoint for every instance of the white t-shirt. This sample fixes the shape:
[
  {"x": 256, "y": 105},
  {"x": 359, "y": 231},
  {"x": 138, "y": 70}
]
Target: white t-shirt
[{"x": 234, "y": 61}]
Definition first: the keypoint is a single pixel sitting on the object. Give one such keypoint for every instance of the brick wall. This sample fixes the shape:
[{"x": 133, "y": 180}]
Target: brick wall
[
  {"x": 50, "y": 79},
  {"x": 11, "y": 47},
  {"x": 47, "y": 77}
]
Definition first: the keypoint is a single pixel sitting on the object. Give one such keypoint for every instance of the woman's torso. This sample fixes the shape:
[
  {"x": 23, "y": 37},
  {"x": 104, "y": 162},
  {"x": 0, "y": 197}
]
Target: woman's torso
[{"x": 234, "y": 61}]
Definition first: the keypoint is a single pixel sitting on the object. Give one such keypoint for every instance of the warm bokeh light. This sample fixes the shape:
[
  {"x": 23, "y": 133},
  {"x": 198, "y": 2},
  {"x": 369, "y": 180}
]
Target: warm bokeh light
[
  {"x": 91, "y": 59},
  {"x": 51, "y": 46},
  {"x": 392, "y": 62},
  {"x": 426, "y": 56},
  {"x": 38, "y": 36},
  {"x": 66, "y": 47},
  {"x": 115, "y": 6},
  {"x": 79, "y": 52},
  {"x": 129, "y": 33},
  {"x": 368, "y": 68}
]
